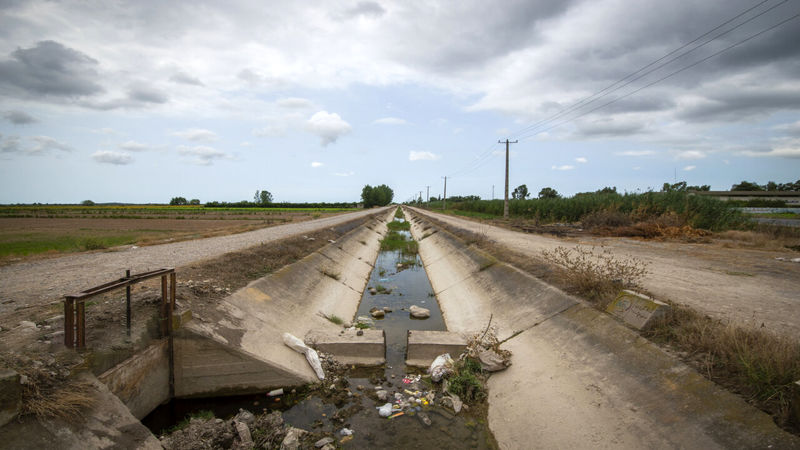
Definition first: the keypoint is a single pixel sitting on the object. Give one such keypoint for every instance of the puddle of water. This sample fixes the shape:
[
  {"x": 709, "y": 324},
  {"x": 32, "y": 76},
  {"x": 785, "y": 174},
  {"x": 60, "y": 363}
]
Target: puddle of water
[{"x": 409, "y": 286}]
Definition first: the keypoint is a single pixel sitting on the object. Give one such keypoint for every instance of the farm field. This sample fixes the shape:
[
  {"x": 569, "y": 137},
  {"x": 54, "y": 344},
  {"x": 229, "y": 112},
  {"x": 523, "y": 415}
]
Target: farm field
[{"x": 39, "y": 231}]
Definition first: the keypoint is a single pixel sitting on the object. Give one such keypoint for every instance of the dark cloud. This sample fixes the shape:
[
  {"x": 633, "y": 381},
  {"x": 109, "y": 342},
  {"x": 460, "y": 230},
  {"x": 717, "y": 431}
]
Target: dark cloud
[
  {"x": 468, "y": 35},
  {"x": 737, "y": 104},
  {"x": 184, "y": 78},
  {"x": 142, "y": 93},
  {"x": 609, "y": 128},
  {"x": 19, "y": 117},
  {"x": 49, "y": 69},
  {"x": 10, "y": 144},
  {"x": 366, "y": 8}
]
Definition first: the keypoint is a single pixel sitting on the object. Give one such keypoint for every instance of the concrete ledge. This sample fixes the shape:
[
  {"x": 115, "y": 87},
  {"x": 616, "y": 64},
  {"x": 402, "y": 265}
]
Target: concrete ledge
[
  {"x": 635, "y": 309},
  {"x": 10, "y": 395},
  {"x": 349, "y": 348},
  {"x": 424, "y": 346},
  {"x": 206, "y": 367},
  {"x": 141, "y": 382}
]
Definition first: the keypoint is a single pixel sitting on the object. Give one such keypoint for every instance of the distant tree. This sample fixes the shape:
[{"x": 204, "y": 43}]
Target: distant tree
[
  {"x": 704, "y": 187},
  {"x": 746, "y": 186},
  {"x": 376, "y": 196},
  {"x": 262, "y": 197},
  {"x": 520, "y": 192},
  {"x": 194, "y": 201},
  {"x": 87, "y": 203},
  {"x": 607, "y": 190},
  {"x": 548, "y": 192},
  {"x": 177, "y": 201}
]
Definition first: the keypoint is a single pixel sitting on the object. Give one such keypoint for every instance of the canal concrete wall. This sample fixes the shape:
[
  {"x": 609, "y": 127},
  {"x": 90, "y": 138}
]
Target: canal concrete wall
[
  {"x": 580, "y": 378},
  {"x": 236, "y": 345}
]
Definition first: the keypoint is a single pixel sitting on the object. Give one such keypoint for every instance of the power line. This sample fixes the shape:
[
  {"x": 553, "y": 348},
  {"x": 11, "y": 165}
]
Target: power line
[
  {"x": 753, "y": 36},
  {"x": 608, "y": 89}
]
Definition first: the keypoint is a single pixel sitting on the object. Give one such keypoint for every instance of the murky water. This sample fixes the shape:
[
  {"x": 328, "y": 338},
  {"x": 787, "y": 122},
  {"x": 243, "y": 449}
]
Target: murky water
[{"x": 405, "y": 286}]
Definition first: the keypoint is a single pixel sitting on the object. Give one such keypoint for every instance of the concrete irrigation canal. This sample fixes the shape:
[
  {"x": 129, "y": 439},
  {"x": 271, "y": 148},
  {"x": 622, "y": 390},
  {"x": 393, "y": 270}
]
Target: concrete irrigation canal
[{"x": 578, "y": 378}]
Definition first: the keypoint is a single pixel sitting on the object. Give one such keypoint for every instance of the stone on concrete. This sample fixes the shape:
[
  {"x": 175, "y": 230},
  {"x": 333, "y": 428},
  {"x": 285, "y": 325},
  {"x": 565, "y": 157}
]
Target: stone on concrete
[
  {"x": 349, "y": 347},
  {"x": 10, "y": 395},
  {"x": 637, "y": 310},
  {"x": 424, "y": 346},
  {"x": 377, "y": 313},
  {"x": 419, "y": 312},
  {"x": 179, "y": 319}
]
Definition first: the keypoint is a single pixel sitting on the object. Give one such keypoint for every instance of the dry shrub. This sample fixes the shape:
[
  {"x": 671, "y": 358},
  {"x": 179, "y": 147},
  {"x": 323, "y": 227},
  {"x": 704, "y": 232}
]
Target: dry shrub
[
  {"x": 763, "y": 237},
  {"x": 48, "y": 391},
  {"x": 603, "y": 219},
  {"x": 753, "y": 361},
  {"x": 596, "y": 274}
]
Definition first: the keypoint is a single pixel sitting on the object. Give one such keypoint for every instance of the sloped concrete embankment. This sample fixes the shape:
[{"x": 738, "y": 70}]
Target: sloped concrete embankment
[
  {"x": 580, "y": 378},
  {"x": 236, "y": 345}
]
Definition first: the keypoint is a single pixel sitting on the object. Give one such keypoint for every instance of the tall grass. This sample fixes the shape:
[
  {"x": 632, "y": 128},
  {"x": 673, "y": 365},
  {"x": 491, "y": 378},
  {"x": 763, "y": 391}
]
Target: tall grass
[{"x": 697, "y": 211}]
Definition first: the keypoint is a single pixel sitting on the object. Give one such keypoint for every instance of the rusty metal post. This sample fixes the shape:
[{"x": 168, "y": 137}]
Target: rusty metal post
[
  {"x": 69, "y": 322},
  {"x": 128, "y": 303},
  {"x": 172, "y": 288},
  {"x": 164, "y": 307},
  {"x": 81, "y": 324}
]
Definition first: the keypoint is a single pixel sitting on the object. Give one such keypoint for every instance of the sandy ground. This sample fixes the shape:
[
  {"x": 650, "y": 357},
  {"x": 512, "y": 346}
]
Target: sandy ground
[
  {"x": 40, "y": 282},
  {"x": 749, "y": 286}
]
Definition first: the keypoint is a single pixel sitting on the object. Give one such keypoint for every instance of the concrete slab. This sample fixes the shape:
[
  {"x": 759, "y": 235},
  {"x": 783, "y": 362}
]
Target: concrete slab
[
  {"x": 635, "y": 309},
  {"x": 348, "y": 347},
  {"x": 424, "y": 346},
  {"x": 580, "y": 378},
  {"x": 10, "y": 395}
]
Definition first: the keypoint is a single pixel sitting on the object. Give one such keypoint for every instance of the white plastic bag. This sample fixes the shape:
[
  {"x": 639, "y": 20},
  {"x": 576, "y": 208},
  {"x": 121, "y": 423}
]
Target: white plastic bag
[
  {"x": 385, "y": 410},
  {"x": 441, "y": 366},
  {"x": 311, "y": 354}
]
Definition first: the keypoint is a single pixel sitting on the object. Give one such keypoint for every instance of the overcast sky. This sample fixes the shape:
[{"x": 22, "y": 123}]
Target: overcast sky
[{"x": 141, "y": 101}]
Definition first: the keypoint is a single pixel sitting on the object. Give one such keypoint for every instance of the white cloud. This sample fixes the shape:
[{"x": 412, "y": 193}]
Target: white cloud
[
  {"x": 44, "y": 144},
  {"x": 328, "y": 126},
  {"x": 689, "y": 168},
  {"x": 690, "y": 155},
  {"x": 637, "y": 168},
  {"x": 344, "y": 174},
  {"x": 197, "y": 134},
  {"x": 274, "y": 129},
  {"x": 390, "y": 121},
  {"x": 316, "y": 164},
  {"x": 133, "y": 146},
  {"x": 581, "y": 160},
  {"x": 109, "y": 157},
  {"x": 564, "y": 167},
  {"x": 423, "y": 156},
  {"x": 203, "y": 155},
  {"x": 294, "y": 103},
  {"x": 636, "y": 153}
]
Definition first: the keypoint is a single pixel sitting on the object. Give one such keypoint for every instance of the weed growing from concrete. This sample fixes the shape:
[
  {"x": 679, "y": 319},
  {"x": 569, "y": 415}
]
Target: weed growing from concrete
[
  {"x": 466, "y": 381},
  {"x": 596, "y": 274},
  {"x": 333, "y": 318},
  {"x": 399, "y": 226},
  {"x": 399, "y": 213}
]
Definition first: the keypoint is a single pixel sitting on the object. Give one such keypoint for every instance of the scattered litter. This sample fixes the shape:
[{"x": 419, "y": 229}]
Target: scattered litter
[
  {"x": 275, "y": 393},
  {"x": 441, "y": 366},
  {"x": 794, "y": 260},
  {"x": 384, "y": 280},
  {"x": 331, "y": 241},
  {"x": 396, "y": 415},
  {"x": 311, "y": 355},
  {"x": 134, "y": 247},
  {"x": 346, "y": 432}
]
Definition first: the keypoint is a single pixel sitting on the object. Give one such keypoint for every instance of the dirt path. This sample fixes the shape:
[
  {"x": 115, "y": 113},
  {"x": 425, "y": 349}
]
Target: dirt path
[
  {"x": 40, "y": 282},
  {"x": 749, "y": 286}
]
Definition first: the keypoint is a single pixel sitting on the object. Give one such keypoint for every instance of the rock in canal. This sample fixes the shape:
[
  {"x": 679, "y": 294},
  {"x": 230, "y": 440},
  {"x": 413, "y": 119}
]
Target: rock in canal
[{"x": 419, "y": 313}]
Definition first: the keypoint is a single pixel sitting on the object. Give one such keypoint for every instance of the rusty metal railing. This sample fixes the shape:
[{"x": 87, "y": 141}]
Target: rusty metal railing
[{"x": 75, "y": 305}]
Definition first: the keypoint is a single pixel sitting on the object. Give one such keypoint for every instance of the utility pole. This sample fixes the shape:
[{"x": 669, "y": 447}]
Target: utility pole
[
  {"x": 444, "y": 202},
  {"x": 428, "y": 195},
  {"x": 505, "y": 204},
  {"x": 492, "y": 192},
  {"x": 420, "y": 196}
]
